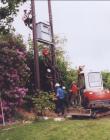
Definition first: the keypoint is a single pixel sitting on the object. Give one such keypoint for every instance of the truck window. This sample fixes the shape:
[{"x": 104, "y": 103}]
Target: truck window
[{"x": 94, "y": 79}]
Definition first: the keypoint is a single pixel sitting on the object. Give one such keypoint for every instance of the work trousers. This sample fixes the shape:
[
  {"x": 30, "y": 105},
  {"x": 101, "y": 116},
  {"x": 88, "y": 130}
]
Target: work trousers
[
  {"x": 60, "y": 106},
  {"x": 74, "y": 99}
]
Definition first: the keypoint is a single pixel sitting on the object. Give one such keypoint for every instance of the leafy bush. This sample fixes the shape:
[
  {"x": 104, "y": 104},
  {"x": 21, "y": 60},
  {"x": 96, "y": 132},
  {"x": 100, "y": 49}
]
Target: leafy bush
[{"x": 44, "y": 100}]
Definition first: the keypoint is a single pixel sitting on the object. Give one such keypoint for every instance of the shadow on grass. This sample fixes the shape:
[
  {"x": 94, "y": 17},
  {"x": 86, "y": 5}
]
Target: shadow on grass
[{"x": 81, "y": 118}]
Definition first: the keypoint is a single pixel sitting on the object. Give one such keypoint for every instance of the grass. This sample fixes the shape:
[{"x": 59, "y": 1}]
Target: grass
[{"x": 98, "y": 129}]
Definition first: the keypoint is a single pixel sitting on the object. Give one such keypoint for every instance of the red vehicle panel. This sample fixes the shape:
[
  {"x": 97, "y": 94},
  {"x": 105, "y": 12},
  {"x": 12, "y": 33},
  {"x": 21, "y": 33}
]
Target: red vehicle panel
[{"x": 95, "y": 99}]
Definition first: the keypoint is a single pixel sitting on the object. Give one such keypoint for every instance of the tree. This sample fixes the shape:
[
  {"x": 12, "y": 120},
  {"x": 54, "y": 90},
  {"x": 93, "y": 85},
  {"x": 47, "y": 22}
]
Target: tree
[
  {"x": 106, "y": 79},
  {"x": 65, "y": 75},
  {"x": 8, "y": 10},
  {"x": 14, "y": 72}
]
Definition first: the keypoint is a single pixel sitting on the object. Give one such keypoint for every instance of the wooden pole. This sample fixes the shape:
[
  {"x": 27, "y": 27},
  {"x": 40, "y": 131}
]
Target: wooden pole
[
  {"x": 35, "y": 46},
  {"x": 53, "y": 42}
]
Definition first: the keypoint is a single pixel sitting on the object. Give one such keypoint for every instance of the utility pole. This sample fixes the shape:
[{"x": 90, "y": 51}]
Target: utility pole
[
  {"x": 53, "y": 41},
  {"x": 35, "y": 46}
]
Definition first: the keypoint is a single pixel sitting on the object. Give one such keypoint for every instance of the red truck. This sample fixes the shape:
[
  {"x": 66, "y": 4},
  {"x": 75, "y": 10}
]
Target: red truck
[{"x": 94, "y": 99}]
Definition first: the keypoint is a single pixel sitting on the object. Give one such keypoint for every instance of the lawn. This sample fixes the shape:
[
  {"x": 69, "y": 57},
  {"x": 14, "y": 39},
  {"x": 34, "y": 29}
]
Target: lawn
[{"x": 98, "y": 129}]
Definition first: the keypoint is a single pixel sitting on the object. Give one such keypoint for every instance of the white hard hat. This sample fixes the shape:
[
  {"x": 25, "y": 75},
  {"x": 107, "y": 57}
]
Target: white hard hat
[
  {"x": 63, "y": 87},
  {"x": 57, "y": 85},
  {"x": 48, "y": 70},
  {"x": 81, "y": 72}
]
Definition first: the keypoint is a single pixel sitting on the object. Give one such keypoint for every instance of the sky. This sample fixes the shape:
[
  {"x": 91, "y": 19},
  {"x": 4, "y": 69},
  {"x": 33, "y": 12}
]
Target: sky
[{"x": 85, "y": 25}]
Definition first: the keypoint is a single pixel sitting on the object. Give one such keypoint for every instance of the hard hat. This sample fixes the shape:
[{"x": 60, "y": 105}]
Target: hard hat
[
  {"x": 57, "y": 85},
  {"x": 63, "y": 87},
  {"x": 81, "y": 72},
  {"x": 48, "y": 70}
]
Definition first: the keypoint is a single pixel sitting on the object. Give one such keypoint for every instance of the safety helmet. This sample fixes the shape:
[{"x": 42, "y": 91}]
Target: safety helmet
[
  {"x": 63, "y": 87},
  {"x": 48, "y": 70},
  {"x": 57, "y": 85}
]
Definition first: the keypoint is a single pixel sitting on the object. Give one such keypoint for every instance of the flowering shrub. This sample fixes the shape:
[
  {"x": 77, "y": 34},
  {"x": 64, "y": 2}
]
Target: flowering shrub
[{"x": 14, "y": 73}]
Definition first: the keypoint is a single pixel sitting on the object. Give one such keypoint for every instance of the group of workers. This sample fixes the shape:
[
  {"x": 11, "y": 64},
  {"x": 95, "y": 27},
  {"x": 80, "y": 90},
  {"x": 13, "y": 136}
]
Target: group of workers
[{"x": 66, "y": 99}]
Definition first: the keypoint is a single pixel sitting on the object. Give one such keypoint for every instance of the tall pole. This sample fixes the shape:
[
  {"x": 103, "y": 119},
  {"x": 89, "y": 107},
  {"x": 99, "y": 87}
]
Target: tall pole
[
  {"x": 53, "y": 41},
  {"x": 36, "y": 60}
]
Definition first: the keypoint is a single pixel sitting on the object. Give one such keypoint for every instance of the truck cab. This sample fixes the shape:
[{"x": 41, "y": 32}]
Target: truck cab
[
  {"x": 91, "y": 89},
  {"x": 90, "y": 81}
]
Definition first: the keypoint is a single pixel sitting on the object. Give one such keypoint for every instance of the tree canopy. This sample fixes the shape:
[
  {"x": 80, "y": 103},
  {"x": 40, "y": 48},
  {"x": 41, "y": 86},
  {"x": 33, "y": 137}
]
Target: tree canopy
[
  {"x": 106, "y": 79},
  {"x": 65, "y": 74},
  {"x": 8, "y": 10}
]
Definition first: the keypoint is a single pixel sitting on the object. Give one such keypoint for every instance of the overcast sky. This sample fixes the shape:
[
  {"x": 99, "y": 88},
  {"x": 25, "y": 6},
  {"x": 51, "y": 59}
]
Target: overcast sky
[{"x": 86, "y": 25}]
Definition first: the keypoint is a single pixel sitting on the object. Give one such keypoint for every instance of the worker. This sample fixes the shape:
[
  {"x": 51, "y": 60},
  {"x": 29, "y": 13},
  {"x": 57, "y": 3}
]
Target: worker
[
  {"x": 74, "y": 94},
  {"x": 60, "y": 99},
  {"x": 81, "y": 84},
  {"x": 27, "y": 18},
  {"x": 48, "y": 76},
  {"x": 66, "y": 98}
]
